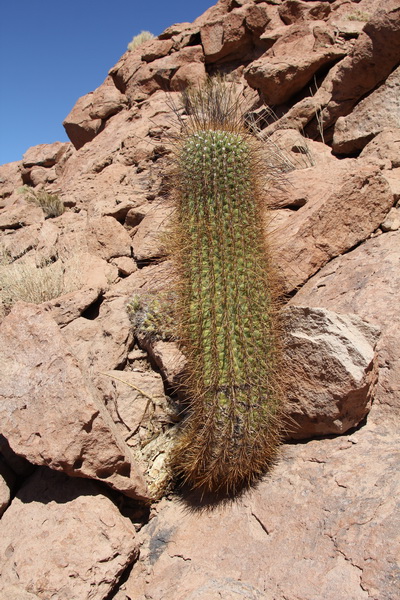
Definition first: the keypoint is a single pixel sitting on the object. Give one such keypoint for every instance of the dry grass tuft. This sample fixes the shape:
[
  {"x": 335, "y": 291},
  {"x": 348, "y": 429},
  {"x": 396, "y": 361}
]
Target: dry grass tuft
[
  {"x": 51, "y": 204},
  {"x": 26, "y": 281},
  {"x": 141, "y": 38}
]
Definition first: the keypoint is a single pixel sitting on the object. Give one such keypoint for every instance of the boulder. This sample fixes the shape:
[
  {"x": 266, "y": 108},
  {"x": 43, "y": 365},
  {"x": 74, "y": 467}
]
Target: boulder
[
  {"x": 21, "y": 215},
  {"x": 331, "y": 370},
  {"x": 10, "y": 180},
  {"x": 386, "y": 148},
  {"x": 365, "y": 281},
  {"x": 79, "y": 125},
  {"x": 63, "y": 538},
  {"x": 226, "y": 38},
  {"x": 44, "y": 155},
  {"x": 292, "y": 11},
  {"x": 5, "y": 494},
  {"x": 49, "y": 409},
  {"x": 380, "y": 110},
  {"x": 299, "y": 52},
  {"x": 331, "y": 224},
  {"x": 107, "y": 238},
  {"x": 150, "y": 239},
  {"x": 102, "y": 340},
  {"x": 87, "y": 117}
]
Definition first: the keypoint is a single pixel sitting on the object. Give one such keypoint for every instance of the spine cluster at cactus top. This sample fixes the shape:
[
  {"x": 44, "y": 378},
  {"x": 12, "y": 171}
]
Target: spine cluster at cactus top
[{"x": 225, "y": 309}]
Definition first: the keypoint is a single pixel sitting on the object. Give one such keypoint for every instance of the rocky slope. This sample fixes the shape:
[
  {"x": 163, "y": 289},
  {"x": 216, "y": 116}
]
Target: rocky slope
[{"x": 88, "y": 395}]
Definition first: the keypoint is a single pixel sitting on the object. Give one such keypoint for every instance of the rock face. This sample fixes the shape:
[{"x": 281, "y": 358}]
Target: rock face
[
  {"x": 322, "y": 515},
  {"x": 63, "y": 538},
  {"x": 90, "y": 403}
]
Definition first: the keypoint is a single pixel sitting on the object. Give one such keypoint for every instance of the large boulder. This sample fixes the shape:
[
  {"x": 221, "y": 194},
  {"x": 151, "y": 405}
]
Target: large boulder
[
  {"x": 380, "y": 110},
  {"x": 63, "y": 538},
  {"x": 50, "y": 411}
]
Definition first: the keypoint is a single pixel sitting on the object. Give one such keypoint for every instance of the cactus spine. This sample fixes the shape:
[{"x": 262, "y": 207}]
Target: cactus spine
[{"x": 225, "y": 300}]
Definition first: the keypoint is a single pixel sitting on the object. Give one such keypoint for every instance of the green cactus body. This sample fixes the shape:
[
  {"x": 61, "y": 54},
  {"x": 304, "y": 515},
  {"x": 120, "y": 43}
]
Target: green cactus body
[{"x": 226, "y": 312}]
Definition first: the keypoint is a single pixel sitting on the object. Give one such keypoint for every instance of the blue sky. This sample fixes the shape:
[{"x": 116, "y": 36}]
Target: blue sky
[{"x": 52, "y": 52}]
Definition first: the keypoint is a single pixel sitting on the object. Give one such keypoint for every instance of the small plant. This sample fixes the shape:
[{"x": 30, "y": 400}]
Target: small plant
[
  {"x": 51, "y": 204},
  {"x": 151, "y": 317},
  {"x": 359, "y": 15},
  {"x": 141, "y": 38},
  {"x": 26, "y": 281}
]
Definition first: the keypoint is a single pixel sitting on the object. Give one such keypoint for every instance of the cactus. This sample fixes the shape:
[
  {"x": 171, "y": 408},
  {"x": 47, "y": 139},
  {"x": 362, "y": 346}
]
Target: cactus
[{"x": 226, "y": 302}]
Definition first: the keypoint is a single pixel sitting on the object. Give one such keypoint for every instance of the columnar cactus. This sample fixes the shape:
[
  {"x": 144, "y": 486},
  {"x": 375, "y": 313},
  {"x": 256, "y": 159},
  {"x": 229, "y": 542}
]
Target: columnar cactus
[{"x": 225, "y": 300}]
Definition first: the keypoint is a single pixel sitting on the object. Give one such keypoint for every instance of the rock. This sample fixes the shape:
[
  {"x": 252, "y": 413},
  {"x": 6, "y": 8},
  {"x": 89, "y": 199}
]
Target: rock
[
  {"x": 4, "y": 494},
  {"x": 106, "y": 101},
  {"x": 39, "y": 176},
  {"x": 392, "y": 221},
  {"x": 87, "y": 117},
  {"x": 362, "y": 282},
  {"x": 50, "y": 410},
  {"x": 380, "y": 110},
  {"x": 331, "y": 370},
  {"x": 149, "y": 241},
  {"x": 393, "y": 179},
  {"x": 78, "y": 125},
  {"x": 103, "y": 339},
  {"x": 20, "y": 215},
  {"x": 386, "y": 147},
  {"x": 369, "y": 62},
  {"x": 137, "y": 404},
  {"x": 146, "y": 78},
  {"x": 44, "y": 155},
  {"x": 126, "y": 266},
  {"x": 292, "y": 11},
  {"x": 14, "y": 592},
  {"x": 38, "y": 558},
  {"x": 108, "y": 238},
  {"x": 330, "y": 225},
  {"x": 373, "y": 57},
  {"x": 156, "y": 49},
  {"x": 313, "y": 515},
  {"x": 226, "y": 38},
  {"x": 71, "y": 306},
  {"x": 10, "y": 180},
  {"x": 167, "y": 357},
  {"x": 301, "y": 50}
]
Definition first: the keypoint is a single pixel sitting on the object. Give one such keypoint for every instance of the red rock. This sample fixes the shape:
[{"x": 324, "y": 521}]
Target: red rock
[
  {"x": 107, "y": 238},
  {"x": 364, "y": 281},
  {"x": 49, "y": 409},
  {"x": 380, "y": 110},
  {"x": 156, "y": 49},
  {"x": 149, "y": 241},
  {"x": 386, "y": 148},
  {"x": 20, "y": 215},
  {"x": 44, "y": 155},
  {"x": 38, "y": 558},
  {"x": 292, "y": 11},
  {"x": 330, "y": 225},
  {"x": 226, "y": 38},
  {"x": 331, "y": 370},
  {"x": 313, "y": 515},
  {"x": 79, "y": 126},
  {"x": 10, "y": 179},
  {"x": 300, "y": 51}
]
